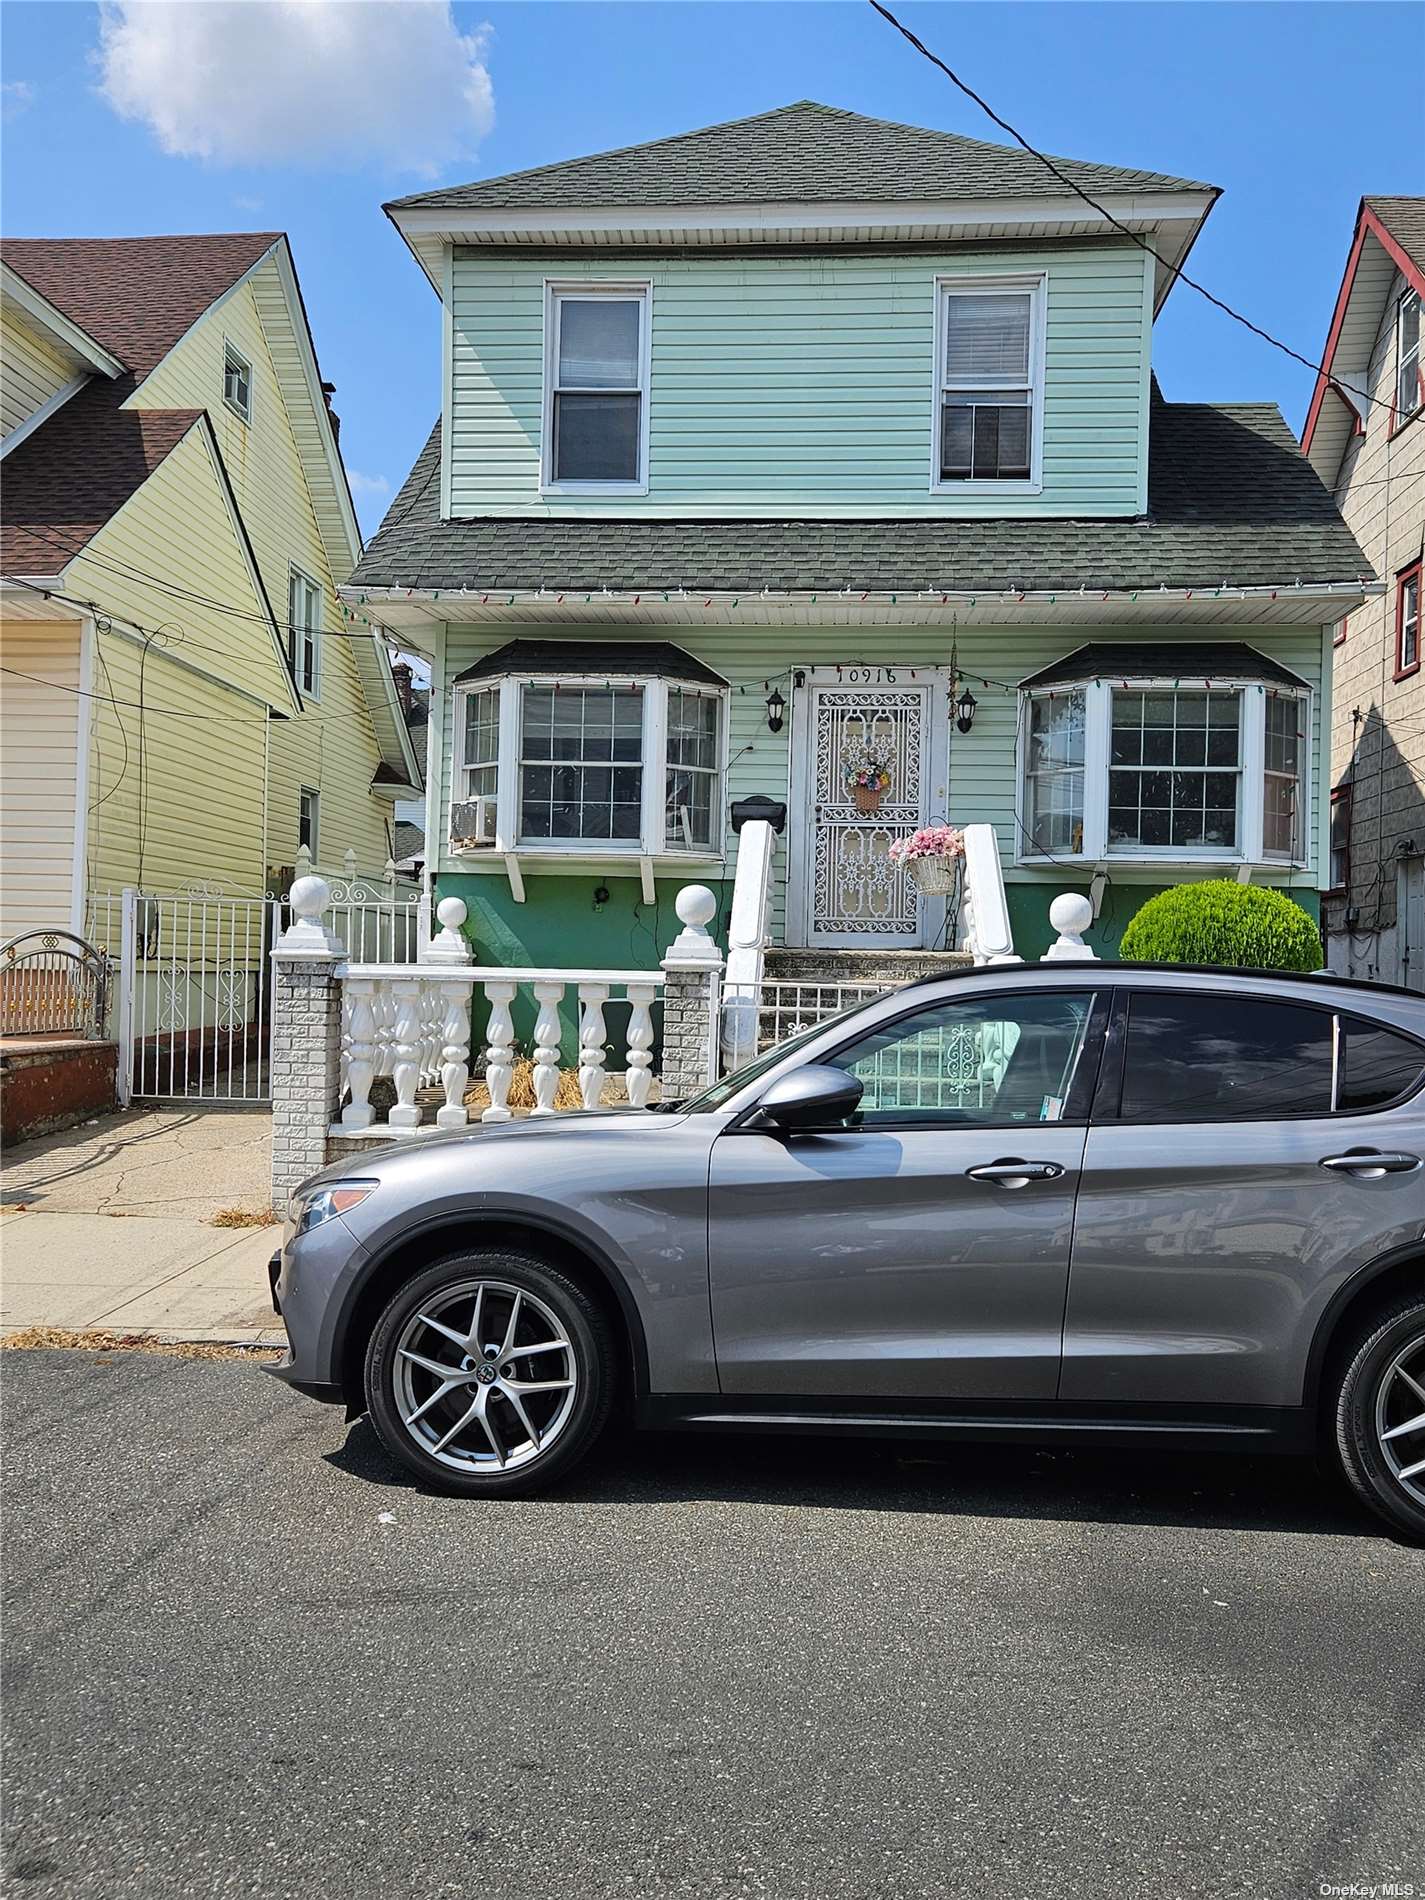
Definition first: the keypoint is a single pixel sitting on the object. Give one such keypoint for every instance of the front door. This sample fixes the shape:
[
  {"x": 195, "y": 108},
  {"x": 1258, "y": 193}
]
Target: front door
[
  {"x": 868, "y": 761},
  {"x": 920, "y": 1251}
]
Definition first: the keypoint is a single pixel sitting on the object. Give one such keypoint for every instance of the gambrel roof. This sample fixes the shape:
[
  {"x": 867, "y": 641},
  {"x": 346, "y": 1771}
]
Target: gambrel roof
[{"x": 803, "y": 152}]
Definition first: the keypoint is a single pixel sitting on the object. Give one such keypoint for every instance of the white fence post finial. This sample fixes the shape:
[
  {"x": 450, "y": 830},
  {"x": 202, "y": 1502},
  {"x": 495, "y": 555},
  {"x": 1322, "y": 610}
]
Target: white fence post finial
[
  {"x": 449, "y": 945},
  {"x": 306, "y": 935},
  {"x": 1070, "y": 915}
]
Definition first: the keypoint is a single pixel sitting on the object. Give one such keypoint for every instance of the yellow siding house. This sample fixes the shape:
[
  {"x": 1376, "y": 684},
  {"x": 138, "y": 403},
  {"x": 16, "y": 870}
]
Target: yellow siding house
[{"x": 182, "y": 698}]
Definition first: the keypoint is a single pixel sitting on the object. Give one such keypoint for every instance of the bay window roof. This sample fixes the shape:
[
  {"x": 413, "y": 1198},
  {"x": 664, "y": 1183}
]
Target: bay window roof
[
  {"x": 584, "y": 659},
  {"x": 1191, "y": 661}
]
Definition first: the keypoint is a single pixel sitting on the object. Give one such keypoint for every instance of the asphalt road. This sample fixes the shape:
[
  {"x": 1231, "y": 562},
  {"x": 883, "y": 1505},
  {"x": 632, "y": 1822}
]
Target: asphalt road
[{"x": 242, "y": 1656}]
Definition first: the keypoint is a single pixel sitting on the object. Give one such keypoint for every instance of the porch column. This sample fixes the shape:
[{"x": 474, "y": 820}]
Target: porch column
[
  {"x": 306, "y": 1040},
  {"x": 692, "y": 984}
]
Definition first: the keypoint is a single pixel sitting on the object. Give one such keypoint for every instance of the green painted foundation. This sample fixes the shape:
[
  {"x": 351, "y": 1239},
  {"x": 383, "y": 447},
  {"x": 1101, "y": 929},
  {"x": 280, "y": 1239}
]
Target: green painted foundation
[{"x": 1029, "y": 913}]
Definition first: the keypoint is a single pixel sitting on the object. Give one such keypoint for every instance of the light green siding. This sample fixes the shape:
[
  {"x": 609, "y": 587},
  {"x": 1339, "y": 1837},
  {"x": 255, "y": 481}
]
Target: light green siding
[
  {"x": 981, "y": 774},
  {"x": 803, "y": 383}
]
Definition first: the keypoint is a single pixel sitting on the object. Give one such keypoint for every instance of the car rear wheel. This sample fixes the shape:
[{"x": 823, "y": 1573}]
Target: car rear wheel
[
  {"x": 490, "y": 1374},
  {"x": 1380, "y": 1415}
]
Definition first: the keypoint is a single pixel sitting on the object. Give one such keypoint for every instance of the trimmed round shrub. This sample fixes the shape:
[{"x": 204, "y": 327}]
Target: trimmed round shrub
[{"x": 1222, "y": 921}]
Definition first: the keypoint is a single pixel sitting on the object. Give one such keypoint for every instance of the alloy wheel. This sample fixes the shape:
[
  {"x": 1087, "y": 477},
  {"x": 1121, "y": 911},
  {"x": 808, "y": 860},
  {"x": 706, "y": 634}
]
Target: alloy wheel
[
  {"x": 1400, "y": 1418},
  {"x": 484, "y": 1376}
]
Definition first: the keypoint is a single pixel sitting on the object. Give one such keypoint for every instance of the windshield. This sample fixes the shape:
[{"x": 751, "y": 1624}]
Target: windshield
[{"x": 722, "y": 1092}]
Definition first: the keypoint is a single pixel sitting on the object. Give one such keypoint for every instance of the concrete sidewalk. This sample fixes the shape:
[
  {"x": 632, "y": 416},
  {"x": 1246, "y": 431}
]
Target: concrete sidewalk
[{"x": 111, "y": 1226}]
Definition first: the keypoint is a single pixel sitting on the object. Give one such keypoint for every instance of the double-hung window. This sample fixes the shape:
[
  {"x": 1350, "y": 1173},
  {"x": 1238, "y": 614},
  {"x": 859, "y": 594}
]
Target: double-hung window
[
  {"x": 596, "y": 376},
  {"x": 237, "y": 382},
  {"x": 1189, "y": 769},
  {"x": 1408, "y": 390},
  {"x": 581, "y": 763},
  {"x": 691, "y": 791},
  {"x": 304, "y": 631},
  {"x": 1175, "y": 771},
  {"x": 480, "y": 747},
  {"x": 989, "y": 383},
  {"x": 1340, "y": 839},
  {"x": 1407, "y": 621}
]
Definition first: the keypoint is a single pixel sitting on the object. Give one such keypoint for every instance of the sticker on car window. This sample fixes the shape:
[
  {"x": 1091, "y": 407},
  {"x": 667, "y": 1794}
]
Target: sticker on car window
[{"x": 1052, "y": 1108}]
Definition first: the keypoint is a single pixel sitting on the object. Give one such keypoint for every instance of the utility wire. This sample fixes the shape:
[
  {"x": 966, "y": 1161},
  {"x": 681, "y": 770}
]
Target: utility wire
[{"x": 1176, "y": 270}]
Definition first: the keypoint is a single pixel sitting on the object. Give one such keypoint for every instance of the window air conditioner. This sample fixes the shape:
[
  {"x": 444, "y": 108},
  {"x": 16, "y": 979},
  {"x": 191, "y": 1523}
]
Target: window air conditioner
[{"x": 472, "y": 824}]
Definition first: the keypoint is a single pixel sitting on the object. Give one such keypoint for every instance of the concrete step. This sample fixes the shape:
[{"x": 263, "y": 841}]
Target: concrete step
[{"x": 860, "y": 966}]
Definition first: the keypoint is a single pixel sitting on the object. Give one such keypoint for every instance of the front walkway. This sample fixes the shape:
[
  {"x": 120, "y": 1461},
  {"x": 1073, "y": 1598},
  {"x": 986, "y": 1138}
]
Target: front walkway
[{"x": 122, "y": 1224}]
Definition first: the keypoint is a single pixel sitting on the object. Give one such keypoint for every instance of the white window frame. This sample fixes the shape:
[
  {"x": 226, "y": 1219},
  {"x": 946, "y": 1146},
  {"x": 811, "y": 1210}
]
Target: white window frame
[
  {"x": 232, "y": 354},
  {"x": 556, "y": 292},
  {"x": 1251, "y": 769},
  {"x": 653, "y": 762},
  {"x": 717, "y": 771},
  {"x": 301, "y": 636},
  {"x": 305, "y": 793},
  {"x": 1407, "y": 296},
  {"x": 1035, "y": 285}
]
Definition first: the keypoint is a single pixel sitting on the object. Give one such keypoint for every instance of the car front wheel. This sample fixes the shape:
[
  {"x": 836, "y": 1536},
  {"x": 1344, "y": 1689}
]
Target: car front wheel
[
  {"x": 1380, "y": 1415},
  {"x": 490, "y": 1373}
]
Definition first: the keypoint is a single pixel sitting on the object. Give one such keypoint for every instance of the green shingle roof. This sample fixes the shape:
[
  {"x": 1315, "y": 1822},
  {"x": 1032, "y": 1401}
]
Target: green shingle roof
[
  {"x": 1231, "y": 501},
  {"x": 804, "y": 153}
]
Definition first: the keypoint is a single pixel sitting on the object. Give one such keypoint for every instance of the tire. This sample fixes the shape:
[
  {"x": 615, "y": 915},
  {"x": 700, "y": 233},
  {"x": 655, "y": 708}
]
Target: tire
[
  {"x": 1382, "y": 1390},
  {"x": 474, "y": 1407}
]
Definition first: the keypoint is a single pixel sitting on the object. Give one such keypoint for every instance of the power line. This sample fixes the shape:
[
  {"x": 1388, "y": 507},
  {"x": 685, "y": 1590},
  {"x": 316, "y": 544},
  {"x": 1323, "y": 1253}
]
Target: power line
[
  {"x": 1176, "y": 270},
  {"x": 153, "y": 712}
]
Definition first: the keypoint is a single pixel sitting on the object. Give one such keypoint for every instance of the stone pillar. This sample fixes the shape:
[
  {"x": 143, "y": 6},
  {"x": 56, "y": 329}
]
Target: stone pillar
[
  {"x": 692, "y": 981},
  {"x": 306, "y": 1040}
]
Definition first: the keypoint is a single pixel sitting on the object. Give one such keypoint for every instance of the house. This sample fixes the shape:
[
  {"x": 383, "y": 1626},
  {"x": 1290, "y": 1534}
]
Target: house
[
  {"x": 809, "y": 444},
  {"x": 1365, "y": 437},
  {"x": 183, "y": 699}
]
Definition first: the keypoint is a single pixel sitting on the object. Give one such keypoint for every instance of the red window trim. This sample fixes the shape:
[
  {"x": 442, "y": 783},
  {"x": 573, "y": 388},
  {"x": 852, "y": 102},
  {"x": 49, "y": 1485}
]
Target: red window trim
[
  {"x": 1413, "y": 572},
  {"x": 1338, "y": 639},
  {"x": 1340, "y": 796}
]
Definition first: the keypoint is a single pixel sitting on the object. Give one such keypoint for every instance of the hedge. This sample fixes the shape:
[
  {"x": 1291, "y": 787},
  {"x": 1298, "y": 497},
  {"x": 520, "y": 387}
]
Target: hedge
[{"x": 1220, "y": 921}]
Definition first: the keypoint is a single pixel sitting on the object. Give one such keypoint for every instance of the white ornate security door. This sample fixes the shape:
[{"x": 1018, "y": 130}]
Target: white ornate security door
[{"x": 869, "y": 755}]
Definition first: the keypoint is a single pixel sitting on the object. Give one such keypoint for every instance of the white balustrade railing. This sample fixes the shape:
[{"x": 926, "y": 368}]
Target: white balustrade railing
[{"x": 412, "y": 1023}]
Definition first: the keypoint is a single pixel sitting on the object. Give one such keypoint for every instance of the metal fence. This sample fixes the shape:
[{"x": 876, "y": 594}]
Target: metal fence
[{"x": 53, "y": 983}]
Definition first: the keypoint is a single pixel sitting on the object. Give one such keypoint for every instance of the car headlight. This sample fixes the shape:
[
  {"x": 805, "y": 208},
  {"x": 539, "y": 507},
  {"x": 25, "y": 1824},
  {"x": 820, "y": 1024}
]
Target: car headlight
[{"x": 311, "y": 1206}]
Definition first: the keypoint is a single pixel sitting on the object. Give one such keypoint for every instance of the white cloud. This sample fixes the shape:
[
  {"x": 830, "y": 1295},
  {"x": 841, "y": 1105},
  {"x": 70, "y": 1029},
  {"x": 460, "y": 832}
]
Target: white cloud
[
  {"x": 259, "y": 82},
  {"x": 373, "y": 485},
  {"x": 16, "y": 96}
]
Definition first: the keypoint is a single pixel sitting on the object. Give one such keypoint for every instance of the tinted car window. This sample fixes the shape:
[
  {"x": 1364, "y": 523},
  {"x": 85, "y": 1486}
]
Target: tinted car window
[
  {"x": 980, "y": 1063},
  {"x": 1377, "y": 1065},
  {"x": 1195, "y": 1058}
]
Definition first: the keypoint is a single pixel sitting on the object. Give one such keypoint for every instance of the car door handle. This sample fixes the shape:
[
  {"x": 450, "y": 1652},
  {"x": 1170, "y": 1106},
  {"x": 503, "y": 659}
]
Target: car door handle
[
  {"x": 1370, "y": 1165},
  {"x": 1013, "y": 1173}
]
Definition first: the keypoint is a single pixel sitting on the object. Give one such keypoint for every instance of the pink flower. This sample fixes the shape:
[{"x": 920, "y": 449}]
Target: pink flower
[{"x": 931, "y": 841}]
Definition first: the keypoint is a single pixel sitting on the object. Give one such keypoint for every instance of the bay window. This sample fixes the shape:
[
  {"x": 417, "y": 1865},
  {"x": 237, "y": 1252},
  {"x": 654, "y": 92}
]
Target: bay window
[
  {"x": 1204, "y": 759},
  {"x": 578, "y": 763},
  {"x": 596, "y": 383},
  {"x": 989, "y": 382}
]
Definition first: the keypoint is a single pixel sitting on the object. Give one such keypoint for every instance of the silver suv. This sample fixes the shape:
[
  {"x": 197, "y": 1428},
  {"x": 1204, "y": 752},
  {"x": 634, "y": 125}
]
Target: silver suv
[{"x": 1084, "y": 1203}]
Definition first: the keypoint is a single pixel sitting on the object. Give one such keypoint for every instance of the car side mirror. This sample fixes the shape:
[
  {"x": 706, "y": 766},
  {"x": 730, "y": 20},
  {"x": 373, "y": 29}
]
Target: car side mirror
[{"x": 817, "y": 1096}]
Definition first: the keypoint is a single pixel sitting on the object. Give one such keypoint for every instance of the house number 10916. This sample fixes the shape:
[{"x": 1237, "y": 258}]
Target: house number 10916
[{"x": 870, "y": 675}]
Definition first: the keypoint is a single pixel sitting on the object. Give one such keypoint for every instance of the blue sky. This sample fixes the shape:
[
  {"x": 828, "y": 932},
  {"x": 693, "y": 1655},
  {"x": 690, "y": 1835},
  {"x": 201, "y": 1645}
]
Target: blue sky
[{"x": 1285, "y": 106}]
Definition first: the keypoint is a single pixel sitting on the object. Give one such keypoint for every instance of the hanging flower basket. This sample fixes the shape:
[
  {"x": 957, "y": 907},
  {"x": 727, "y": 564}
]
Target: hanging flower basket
[
  {"x": 867, "y": 797},
  {"x": 932, "y": 855},
  {"x": 866, "y": 764},
  {"x": 935, "y": 876}
]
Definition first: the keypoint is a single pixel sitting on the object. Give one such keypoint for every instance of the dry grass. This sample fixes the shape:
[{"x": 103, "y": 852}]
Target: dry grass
[
  {"x": 243, "y": 1217},
  {"x": 522, "y": 1093},
  {"x": 60, "y": 1338}
]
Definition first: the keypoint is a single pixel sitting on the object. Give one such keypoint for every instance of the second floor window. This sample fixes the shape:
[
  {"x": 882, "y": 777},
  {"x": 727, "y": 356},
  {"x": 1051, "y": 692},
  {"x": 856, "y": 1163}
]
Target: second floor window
[
  {"x": 1407, "y": 356},
  {"x": 237, "y": 382},
  {"x": 304, "y": 631},
  {"x": 597, "y": 378},
  {"x": 1407, "y": 620},
  {"x": 988, "y": 384}
]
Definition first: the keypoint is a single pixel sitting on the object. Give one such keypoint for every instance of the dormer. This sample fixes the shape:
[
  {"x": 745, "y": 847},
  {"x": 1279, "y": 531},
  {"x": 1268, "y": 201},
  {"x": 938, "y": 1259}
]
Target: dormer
[
  {"x": 45, "y": 358},
  {"x": 807, "y": 313}
]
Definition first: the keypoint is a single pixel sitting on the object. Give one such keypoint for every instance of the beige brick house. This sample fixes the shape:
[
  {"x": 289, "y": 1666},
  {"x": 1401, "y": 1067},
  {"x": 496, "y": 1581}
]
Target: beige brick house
[{"x": 1365, "y": 436}]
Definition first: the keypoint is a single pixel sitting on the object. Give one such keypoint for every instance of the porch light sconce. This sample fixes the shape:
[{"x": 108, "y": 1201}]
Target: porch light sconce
[
  {"x": 965, "y": 710},
  {"x": 776, "y": 709}
]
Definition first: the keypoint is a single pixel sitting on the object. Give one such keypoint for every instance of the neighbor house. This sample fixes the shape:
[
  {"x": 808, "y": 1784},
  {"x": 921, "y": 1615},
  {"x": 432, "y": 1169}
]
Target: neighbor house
[
  {"x": 1365, "y": 438},
  {"x": 811, "y": 444},
  {"x": 183, "y": 700}
]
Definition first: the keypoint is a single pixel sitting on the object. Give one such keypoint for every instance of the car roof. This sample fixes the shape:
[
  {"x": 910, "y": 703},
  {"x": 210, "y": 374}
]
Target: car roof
[{"x": 1095, "y": 970}]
